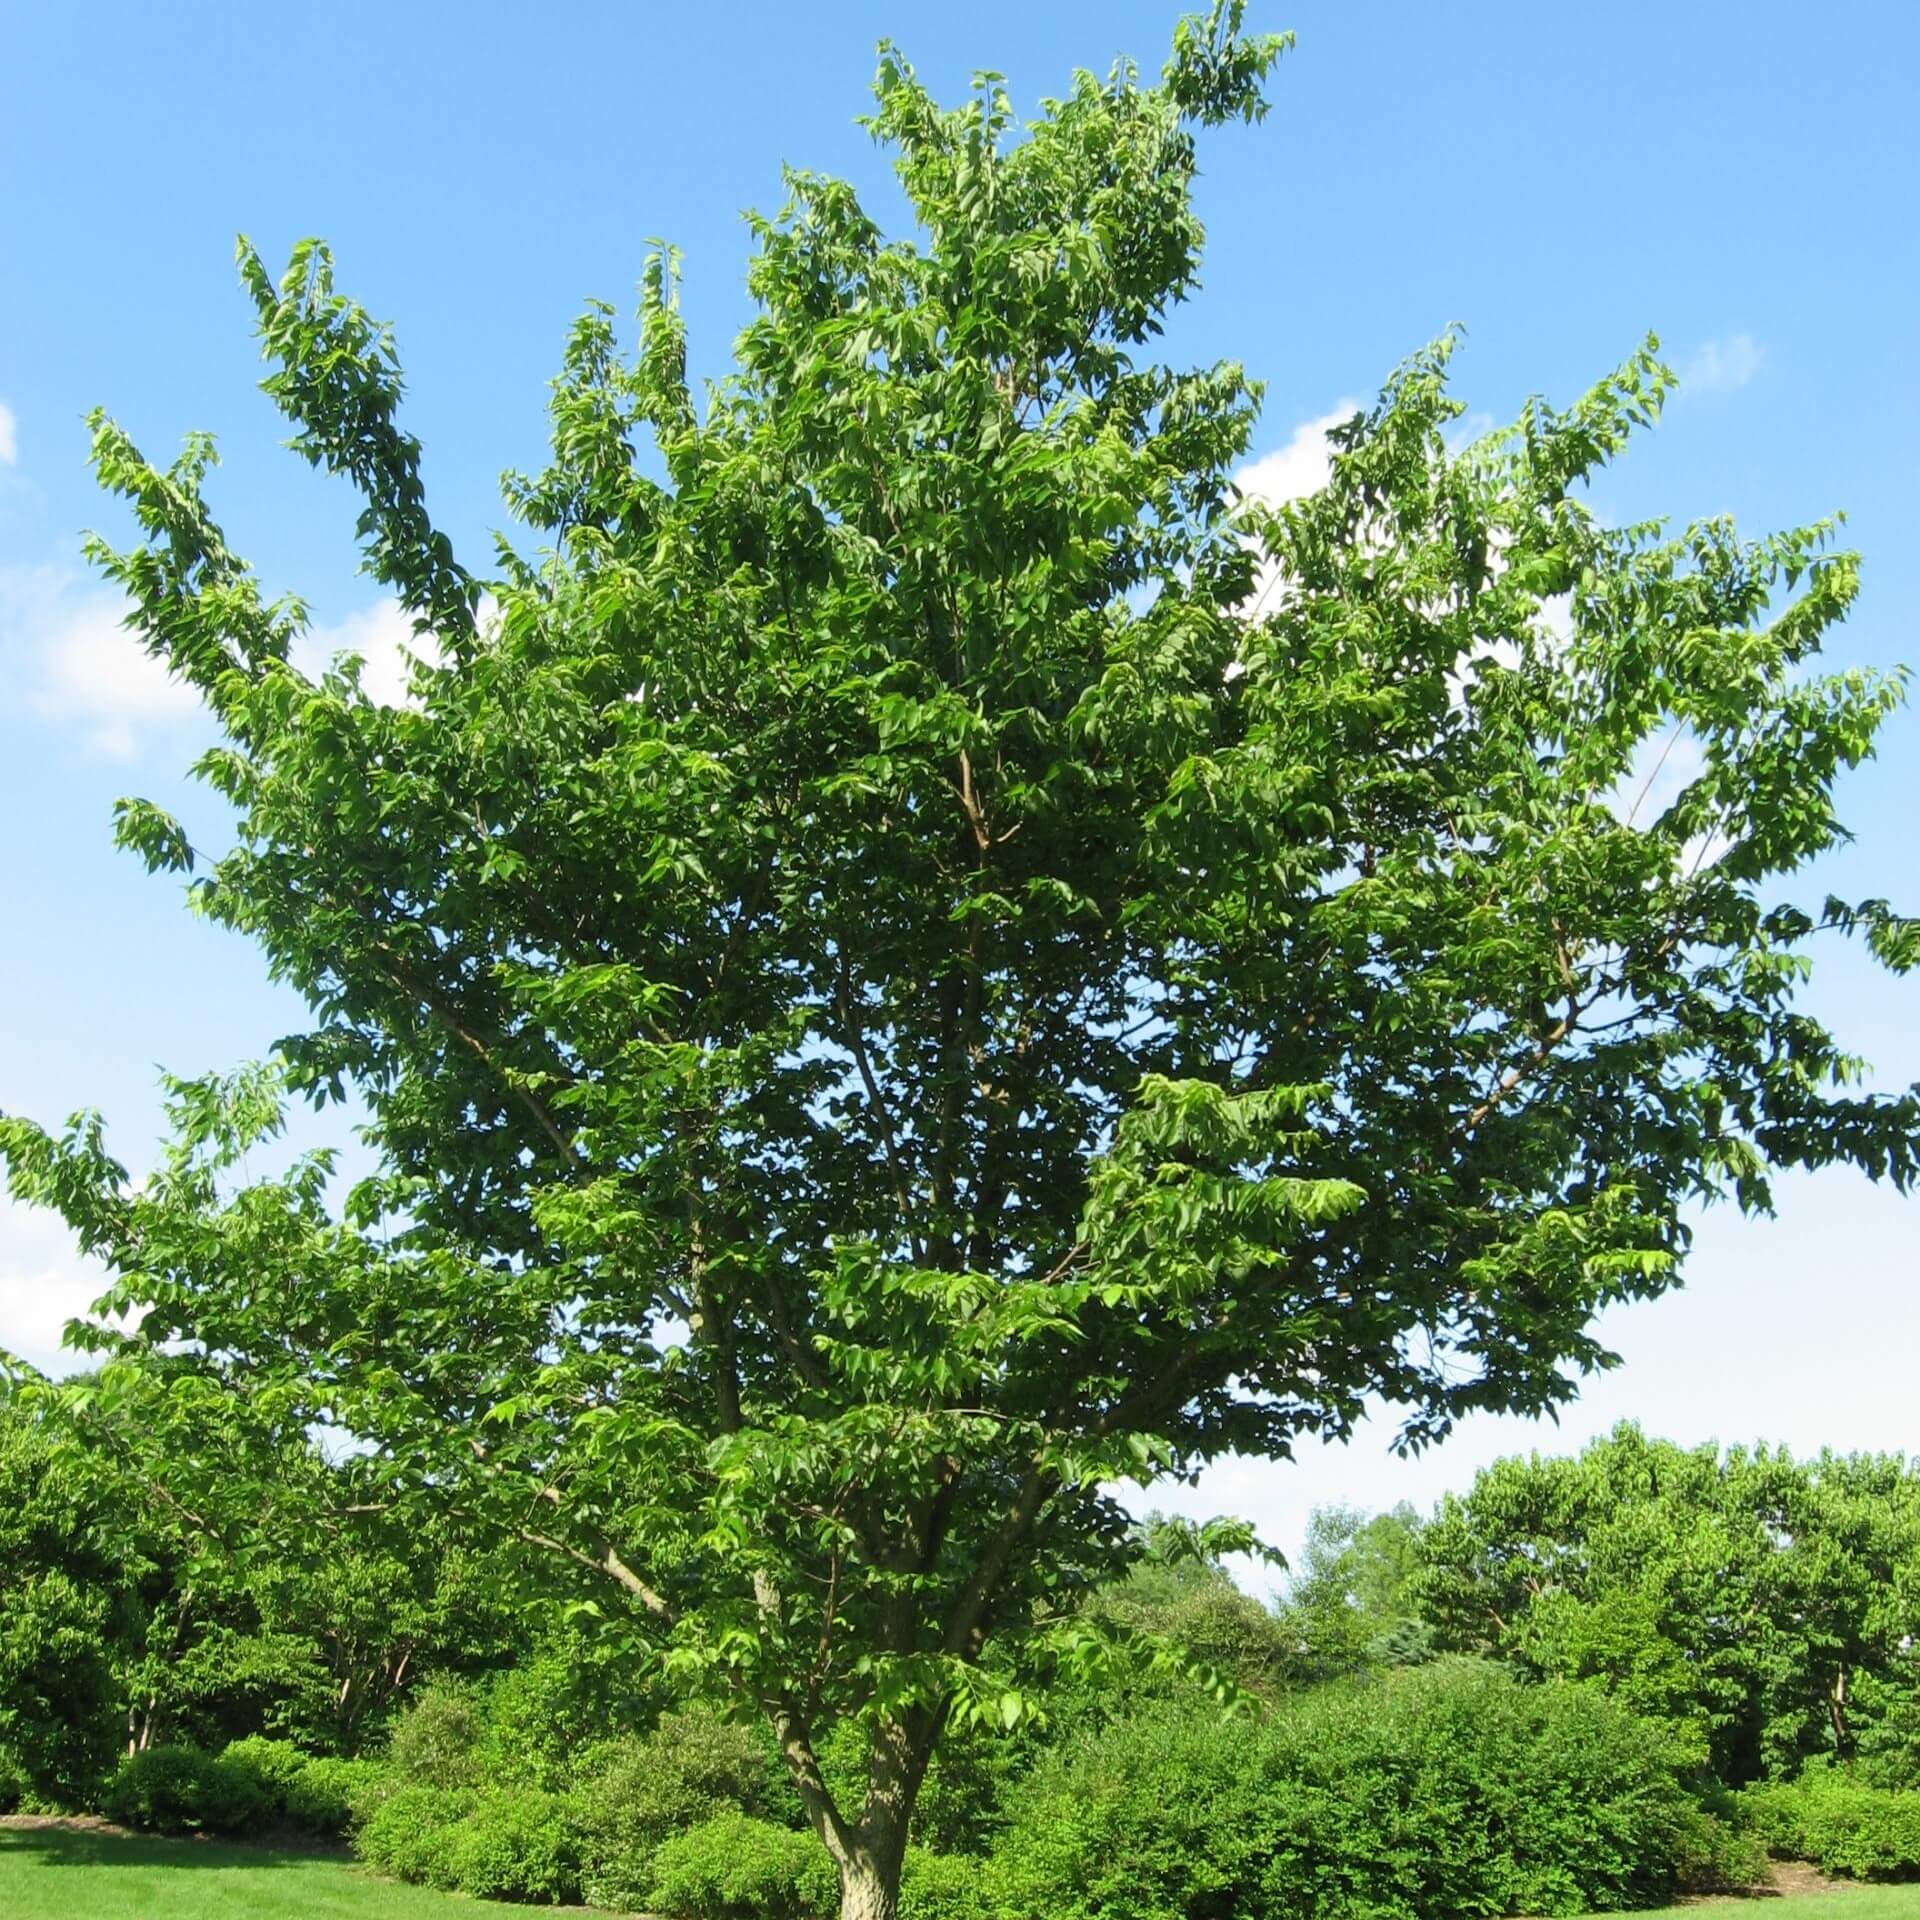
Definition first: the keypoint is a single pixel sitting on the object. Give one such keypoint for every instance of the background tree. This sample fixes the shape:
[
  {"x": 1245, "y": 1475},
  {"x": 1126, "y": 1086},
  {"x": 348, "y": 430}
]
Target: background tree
[
  {"x": 1180, "y": 1597},
  {"x": 928, "y": 956},
  {"x": 1351, "y": 1602},
  {"x": 71, "y": 1607},
  {"x": 1767, "y": 1603},
  {"x": 129, "y": 1621}
]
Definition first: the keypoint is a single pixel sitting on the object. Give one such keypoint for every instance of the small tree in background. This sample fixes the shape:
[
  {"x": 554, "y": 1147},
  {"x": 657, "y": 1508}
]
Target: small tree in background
[
  {"x": 1769, "y": 1604},
  {"x": 929, "y": 956}
]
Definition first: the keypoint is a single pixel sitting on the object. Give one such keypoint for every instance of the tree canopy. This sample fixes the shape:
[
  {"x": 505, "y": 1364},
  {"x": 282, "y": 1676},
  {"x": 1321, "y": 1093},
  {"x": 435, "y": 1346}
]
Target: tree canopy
[{"x": 922, "y": 953}]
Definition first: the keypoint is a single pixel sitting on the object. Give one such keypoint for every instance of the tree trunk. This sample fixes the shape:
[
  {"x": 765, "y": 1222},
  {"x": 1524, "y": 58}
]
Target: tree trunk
[{"x": 868, "y": 1891}]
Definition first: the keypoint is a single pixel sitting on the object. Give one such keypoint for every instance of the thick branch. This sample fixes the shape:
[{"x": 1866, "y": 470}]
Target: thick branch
[
  {"x": 443, "y": 1010},
  {"x": 608, "y": 1563},
  {"x": 1517, "y": 1075},
  {"x": 963, "y": 1628}
]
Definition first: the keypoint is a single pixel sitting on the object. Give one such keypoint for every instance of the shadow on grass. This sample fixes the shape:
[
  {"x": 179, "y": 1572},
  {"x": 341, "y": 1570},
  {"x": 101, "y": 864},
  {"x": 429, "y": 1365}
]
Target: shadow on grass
[{"x": 73, "y": 1846}]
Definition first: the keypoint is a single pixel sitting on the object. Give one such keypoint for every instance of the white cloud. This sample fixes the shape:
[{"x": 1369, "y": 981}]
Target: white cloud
[
  {"x": 1302, "y": 466},
  {"x": 9, "y": 437},
  {"x": 67, "y": 645},
  {"x": 44, "y": 1283},
  {"x": 383, "y": 636},
  {"x": 83, "y": 669},
  {"x": 1719, "y": 366}
]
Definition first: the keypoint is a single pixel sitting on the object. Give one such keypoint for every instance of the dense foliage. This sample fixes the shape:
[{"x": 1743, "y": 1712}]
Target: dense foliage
[
  {"x": 1359, "y": 1772},
  {"x": 1449, "y": 1790},
  {"x": 1772, "y": 1606},
  {"x": 1444, "y": 1792},
  {"x": 1845, "y": 1824},
  {"x": 927, "y": 955},
  {"x": 127, "y": 1623}
]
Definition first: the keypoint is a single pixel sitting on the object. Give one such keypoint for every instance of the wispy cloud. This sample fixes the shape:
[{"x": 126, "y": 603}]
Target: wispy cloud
[
  {"x": 44, "y": 1283},
  {"x": 9, "y": 437},
  {"x": 1719, "y": 366},
  {"x": 84, "y": 672}
]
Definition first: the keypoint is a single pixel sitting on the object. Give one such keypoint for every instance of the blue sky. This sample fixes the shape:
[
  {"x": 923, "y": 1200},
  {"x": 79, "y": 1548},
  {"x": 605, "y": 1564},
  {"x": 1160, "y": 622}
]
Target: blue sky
[{"x": 1744, "y": 179}]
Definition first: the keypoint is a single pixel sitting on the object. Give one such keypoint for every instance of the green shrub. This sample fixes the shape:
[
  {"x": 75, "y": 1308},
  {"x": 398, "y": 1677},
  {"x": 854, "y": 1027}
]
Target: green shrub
[
  {"x": 519, "y": 1844},
  {"x": 274, "y": 1764},
  {"x": 554, "y": 1705},
  {"x": 412, "y": 1834},
  {"x": 634, "y": 1794},
  {"x": 1142, "y": 1820},
  {"x": 1847, "y": 1826},
  {"x": 737, "y": 1868},
  {"x": 328, "y": 1796},
  {"x": 1435, "y": 1793},
  {"x": 440, "y": 1740},
  {"x": 13, "y": 1785},
  {"x": 945, "y": 1886},
  {"x": 958, "y": 1810},
  {"x": 516, "y": 1843},
  {"x": 180, "y": 1789}
]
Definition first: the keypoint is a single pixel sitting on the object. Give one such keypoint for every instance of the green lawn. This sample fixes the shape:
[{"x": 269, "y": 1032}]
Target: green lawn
[
  {"x": 1848, "y": 1903},
  {"x": 50, "y": 1873}
]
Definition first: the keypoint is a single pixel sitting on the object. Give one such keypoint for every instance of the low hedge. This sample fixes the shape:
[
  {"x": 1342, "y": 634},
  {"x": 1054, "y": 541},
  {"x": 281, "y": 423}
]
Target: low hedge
[
  {"x": 329, "y": 1796},
  {"x": 1443, "y": 1793},
  {"x": 517, "y": 1844},
  {"x": 182, "y": 1790},
  {"x": 734, "y": 1867},
  {"x": 1449, "y": 1792},
  {"x": 1844, "y": 1825},
  {"x": 410, "y": 1835},
  {"x": 253, "y": 1786}
]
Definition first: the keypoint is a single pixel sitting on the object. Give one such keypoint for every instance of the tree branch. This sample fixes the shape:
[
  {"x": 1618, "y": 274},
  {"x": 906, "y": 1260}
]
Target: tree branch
[
  {"x": 610, "y": 1564},
  {"x": 857, "y": 1046}
]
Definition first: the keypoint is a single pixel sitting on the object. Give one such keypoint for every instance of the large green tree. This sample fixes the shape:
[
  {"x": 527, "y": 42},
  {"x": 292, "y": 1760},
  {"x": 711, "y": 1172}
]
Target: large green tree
[{"x": 922, "y": 955}]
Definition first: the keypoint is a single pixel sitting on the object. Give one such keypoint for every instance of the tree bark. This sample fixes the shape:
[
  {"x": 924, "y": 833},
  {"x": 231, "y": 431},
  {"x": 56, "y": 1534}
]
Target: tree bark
[{"x": 868, "y": 1890}]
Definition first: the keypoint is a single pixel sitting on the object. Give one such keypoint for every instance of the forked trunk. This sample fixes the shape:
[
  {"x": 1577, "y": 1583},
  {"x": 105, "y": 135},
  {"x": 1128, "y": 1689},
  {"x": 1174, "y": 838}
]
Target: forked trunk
[{"x": 868, "y": 1891}]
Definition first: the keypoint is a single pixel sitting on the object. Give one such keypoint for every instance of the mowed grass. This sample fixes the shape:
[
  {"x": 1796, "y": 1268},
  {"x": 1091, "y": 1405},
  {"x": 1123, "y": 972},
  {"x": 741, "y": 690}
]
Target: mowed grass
[
  {"x": 1843, "y": 1903},
  {"x": 55, "y": 1873}
]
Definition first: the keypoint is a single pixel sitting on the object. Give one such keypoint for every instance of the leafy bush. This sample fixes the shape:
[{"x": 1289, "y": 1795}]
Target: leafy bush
[
  {"x": 517, "y": 1845},
  {"x": 328, "y": 1796},
  {"x": 411, "y": 1834},
  {"x": 13, "y": 1785},
  {"x": 736, "y": 1868},
  {"x": 275, "y": 1764},
  {"x": 439, "y": 1740},
  {"x": 1140, "y": 1821},
  {"x": 1847, "y": 1826},
  {"x": 179, "y": 1789},
  {"x": 958, "y": 1810},
  {"x": 634, "y": 1794},
  {"x": 57, "y": 1684},
  {"x": 1425, "y": 1794},
  {"x": 945, "y": 1886},
  {"x": 555, "y": 1704}
]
